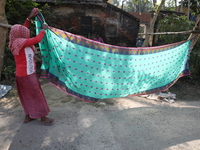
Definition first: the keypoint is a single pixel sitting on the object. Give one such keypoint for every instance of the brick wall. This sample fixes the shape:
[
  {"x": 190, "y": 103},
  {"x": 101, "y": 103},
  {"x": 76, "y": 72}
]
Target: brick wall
[{"x": 115, "y": 26}]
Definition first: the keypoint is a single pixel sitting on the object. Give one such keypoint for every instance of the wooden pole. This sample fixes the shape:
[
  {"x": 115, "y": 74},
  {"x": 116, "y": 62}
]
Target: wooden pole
[
  {"x": 158, "y": 33},
  {"x": 149, "y": 38},
  {"x": 168, "y": 33},
  {"x": 195, "y": 33},
  {"x": 5, "y": 25},
  {"x": 195, "y": 36}
]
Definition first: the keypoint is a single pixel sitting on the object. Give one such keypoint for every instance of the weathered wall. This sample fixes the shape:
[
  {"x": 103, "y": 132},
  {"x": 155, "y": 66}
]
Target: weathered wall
[{"x": 113, "y": 25}]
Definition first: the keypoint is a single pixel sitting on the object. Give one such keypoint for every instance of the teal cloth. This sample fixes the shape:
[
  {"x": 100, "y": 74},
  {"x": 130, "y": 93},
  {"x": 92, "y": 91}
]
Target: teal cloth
[{"x": 91, "y": 70}]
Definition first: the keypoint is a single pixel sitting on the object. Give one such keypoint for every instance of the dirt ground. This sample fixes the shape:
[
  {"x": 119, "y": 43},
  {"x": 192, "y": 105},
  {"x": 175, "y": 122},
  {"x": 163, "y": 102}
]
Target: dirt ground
[{"x": 131, "y": 123}]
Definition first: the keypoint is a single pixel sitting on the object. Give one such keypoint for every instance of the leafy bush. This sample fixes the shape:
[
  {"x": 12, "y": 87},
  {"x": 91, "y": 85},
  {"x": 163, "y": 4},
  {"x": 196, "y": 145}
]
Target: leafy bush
[
  {"x": 17, "y": 12},
  {"x": 174, "y": 23},
  {"x": 8, "y": 66}
]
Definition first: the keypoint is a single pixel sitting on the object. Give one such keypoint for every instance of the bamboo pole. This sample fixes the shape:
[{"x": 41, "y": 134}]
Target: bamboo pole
[
  {"x": 159, "y": 33},
  {"x": 168, "y": 33},
  {"x": 5, "y": 25},
  {"x": 195, "y": 36}
]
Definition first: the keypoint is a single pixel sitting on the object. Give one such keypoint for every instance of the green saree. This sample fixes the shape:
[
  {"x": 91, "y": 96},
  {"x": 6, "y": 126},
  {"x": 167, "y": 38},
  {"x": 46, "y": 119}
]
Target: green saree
[{"x": 91, "y": 70}]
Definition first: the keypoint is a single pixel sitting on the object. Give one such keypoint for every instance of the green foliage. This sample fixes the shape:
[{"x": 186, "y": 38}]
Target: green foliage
[
  {"x": 8, "y": 66},
  {"x": 176, "y": 23},
  {"x": 194, "y": 6},
  {"x": 116, "y": 3},
  {"x": 49, "y": 16},
  {"x": 137, "y": 5},
  {"x": 16, "y": 13},
  {"x": 170, "y": 5},
  {"x": 194, "y": 62}
]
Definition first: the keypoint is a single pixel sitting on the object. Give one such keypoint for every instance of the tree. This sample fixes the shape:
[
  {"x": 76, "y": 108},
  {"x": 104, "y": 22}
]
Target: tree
[
  {"x": 171, "y": 5},
  {"x": 194, "y": 5},
  {"x": 16, "y": 13},
  {"x": 174, "y": 23},
  {"x": 116, "y": 3},
  {"x": 149, "y": 38},
  {"x": 154, "y": 3},
  {"x": 138, "y": 5},
  {"x": 3, "y": 32}
]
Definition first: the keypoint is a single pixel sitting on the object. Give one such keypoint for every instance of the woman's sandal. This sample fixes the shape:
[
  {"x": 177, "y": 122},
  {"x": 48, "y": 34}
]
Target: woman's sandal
[
  {"x": 47, "y": 121},
  {"x": 28, "y": 119}
]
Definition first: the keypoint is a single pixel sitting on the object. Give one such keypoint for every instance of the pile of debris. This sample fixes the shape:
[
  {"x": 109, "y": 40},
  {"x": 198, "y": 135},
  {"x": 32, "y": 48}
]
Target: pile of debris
[
  {"x": 163, "y": 96},
  {"x": 4, "y": 89}
]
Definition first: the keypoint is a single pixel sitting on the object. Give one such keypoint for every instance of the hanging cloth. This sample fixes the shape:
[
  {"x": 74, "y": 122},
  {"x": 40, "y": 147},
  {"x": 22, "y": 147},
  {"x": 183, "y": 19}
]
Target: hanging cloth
[{"x": 91, "y": 70}]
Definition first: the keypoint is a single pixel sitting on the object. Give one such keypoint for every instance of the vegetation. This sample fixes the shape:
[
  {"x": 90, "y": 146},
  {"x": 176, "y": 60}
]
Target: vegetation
[
  {"x": 174, "y": 23},
  {"x": 194, "y": 6},
  {"x": 134, "y": 5},
  {"x": 16, "y": 13}
]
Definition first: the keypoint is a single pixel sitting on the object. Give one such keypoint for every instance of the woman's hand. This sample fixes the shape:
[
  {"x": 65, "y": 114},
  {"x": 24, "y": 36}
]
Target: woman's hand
[
  {"x": 45, "y": 26},
  {"x": 33, "y": 13}
]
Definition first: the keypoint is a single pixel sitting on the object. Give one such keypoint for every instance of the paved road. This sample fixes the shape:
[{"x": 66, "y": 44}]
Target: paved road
[{"x": 114, "y": 124}]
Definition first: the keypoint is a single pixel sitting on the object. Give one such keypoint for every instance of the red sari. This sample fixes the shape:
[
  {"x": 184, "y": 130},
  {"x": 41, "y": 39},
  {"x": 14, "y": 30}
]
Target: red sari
[{"x": 31, "y": 96}]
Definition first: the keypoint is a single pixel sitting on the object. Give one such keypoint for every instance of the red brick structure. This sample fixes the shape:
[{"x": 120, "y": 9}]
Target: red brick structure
[
  {"x": 87, "y": 17},
  {"x": 145, "y": 19}
]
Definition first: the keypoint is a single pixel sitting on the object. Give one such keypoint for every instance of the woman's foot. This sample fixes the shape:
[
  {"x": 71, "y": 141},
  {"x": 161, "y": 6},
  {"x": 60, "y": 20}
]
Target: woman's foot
[
  {"x": 47, "y": 121},
  {"x": 28, "y": 119}
]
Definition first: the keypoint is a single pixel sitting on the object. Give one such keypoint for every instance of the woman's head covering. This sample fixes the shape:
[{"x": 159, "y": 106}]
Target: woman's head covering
[{"x": 18, "y": 37}]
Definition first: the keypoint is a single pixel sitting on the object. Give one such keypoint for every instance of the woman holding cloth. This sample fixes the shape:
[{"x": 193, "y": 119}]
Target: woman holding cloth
[{"x": 28, "y": 86}]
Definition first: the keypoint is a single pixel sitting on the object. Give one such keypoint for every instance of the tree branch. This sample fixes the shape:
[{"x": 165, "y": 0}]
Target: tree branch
[{"x": 165, "y": 33}]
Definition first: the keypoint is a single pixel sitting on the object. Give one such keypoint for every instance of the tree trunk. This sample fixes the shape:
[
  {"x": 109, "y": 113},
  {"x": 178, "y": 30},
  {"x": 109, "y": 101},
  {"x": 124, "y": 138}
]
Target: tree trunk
[
  {"x": 181, "y": 10},
  {"x": 195, "y": 36},
  {"x": 149, "y": 38},
  {"x": 176, "y": 8},
  {"x": 188, "y": 13},
  {"x": 3, "y": 31},
  {"x": 154, "y": 3}
]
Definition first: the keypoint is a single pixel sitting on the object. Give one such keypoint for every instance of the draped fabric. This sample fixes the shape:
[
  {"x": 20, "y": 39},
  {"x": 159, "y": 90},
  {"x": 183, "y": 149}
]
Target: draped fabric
[
  {"x": 92, "y": 70},
  {"x": 31, "y": 96},
  {"x": 18, "y": 37}
]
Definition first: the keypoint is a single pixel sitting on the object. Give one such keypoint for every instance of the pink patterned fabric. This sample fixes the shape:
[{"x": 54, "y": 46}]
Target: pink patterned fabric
[
  {"x": 18, "y": 37},
  {"x": 31, "y": 96},
  {"x": 99, "y": 39}
]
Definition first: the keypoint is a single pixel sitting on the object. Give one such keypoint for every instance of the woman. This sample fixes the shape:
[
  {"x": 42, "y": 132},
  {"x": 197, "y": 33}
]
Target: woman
[
  {"x": 28, "y": 86},
  {"x": 98, "y": 38}
]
